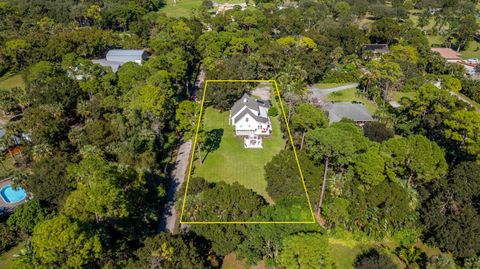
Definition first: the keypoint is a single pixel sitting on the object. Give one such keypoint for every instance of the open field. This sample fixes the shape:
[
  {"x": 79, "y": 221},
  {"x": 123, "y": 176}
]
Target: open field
[
  {"x": 231, "y": 162},
  {"x": 352, "y": 95},
  {"x": 12, "y": 82},
  {"x": 184, "y": 8}
]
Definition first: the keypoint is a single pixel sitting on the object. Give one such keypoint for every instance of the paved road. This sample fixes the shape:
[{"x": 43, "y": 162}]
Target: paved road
[
  {"x": 169, "y": 219},
  {"x": 323, "y": 92}
]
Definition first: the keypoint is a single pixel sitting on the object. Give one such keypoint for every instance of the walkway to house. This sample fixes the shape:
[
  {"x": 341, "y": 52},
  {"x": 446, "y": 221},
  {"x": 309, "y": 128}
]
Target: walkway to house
[{"x": 169, "y": 219}]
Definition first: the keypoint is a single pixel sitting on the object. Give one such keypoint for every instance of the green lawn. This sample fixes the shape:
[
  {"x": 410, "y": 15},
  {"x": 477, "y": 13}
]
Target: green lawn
[
  {"x": 7, "y": 257},
  {"x": 184, "y": 8},
  {"x": 352, "y": 95},
  {"x": 231, "y": 162},
  {"x": 7, "y": 167},
  {"x": 12, "y": 82}
]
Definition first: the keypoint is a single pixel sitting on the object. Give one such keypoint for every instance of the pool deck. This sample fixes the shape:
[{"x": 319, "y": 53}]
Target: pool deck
[{"x": 8, "y": 206}]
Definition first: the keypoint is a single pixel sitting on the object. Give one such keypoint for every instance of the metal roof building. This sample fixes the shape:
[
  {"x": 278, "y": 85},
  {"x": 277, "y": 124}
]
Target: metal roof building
[
  {"x": 346, "y": 110},
  {"x": 118, "y": 57}
]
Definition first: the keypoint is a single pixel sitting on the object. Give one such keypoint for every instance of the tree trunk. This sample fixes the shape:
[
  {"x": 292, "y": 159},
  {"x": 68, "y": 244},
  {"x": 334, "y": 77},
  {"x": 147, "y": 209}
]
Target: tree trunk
[
  {"x": 303, "y": 140},
  {"x": 322, "y": 193},
  {"x": 199, "y": 148}
]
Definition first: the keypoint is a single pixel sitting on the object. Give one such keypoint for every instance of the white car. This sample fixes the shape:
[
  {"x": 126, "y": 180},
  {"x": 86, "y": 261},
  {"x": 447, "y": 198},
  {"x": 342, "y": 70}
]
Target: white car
[{"x": 473, "y": 60}]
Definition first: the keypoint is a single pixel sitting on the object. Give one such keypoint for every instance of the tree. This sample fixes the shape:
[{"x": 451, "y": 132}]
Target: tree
[
  {"x": 155, "y": 103},
  {"x": 186, "y": 116},
  {"x": 105, "y": 191},
  {"x": 223, "y": 202},
  {"x": 26, "y": 216},
  {"x": 463, "y": 128},
  {"x": 308, "y": 251},
  {"x": 374, "y": 259},
  {"x": 450, "y": 214},
  {"x": 167, "y": 251},
  {"x": 7, "y": 237},
  {"x": 377, "y": 131},
  {"x": 283, "y": 177},
  {"x": 48, "y": 181},
  {"x": 131, "y": 75},
  {"x": 61, "y": 242},
  {"x": 307, "y": 117},
  {"x": 386, "y": 74},
  {"x": 17, "y": 50},
  {"x": 416, "y": 159},
  {"x": 337, "y": 144}
]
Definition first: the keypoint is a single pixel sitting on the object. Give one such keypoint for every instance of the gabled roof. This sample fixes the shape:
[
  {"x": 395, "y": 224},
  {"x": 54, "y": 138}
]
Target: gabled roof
[
  {"x": 250, "y": 104},
  {"x": 249, "y": 112},
  {"x": 120, "y": 52},
  {"x": 347, "y": 110},
  {"x": 447, "y": 53}
]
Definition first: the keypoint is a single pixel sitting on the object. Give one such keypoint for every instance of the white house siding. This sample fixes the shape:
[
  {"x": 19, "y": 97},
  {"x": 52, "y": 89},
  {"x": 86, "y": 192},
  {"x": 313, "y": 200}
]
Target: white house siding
[{"x": 247, "y": 123}]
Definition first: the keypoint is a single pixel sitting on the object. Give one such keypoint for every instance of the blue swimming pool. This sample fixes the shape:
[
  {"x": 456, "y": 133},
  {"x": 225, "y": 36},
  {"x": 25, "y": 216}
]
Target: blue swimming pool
[{"x": 11, "y": 195}]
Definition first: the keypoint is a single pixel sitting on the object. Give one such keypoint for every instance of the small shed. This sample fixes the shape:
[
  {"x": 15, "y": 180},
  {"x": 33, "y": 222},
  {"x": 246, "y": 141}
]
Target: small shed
[{"x": 352, "y": 111}]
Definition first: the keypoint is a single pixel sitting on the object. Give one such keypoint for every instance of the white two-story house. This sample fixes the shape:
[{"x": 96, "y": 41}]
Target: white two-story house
[{"x": 250, "y": 117}]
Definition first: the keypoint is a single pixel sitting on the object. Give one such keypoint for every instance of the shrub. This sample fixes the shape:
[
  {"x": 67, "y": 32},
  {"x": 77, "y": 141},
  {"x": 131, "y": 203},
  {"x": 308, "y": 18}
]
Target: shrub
[
  {"x": 374, "y": 260},
  {"x": 272, "y": 111}
]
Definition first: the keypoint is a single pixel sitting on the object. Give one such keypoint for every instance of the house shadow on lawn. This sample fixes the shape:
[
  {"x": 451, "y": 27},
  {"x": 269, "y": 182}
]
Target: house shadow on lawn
[{"x": 213, "y": 138}]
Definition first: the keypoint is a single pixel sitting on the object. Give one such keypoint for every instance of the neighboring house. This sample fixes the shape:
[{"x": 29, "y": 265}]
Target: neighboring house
[
  {"x": 250, "y": 118},
  {"x": 346, "y": 110},
  {"x": 227, "y": 6},
  {"x": 448, "y": 54},
  {"x": 377, "y": 48},
  {"x": 116, "y": 58}
]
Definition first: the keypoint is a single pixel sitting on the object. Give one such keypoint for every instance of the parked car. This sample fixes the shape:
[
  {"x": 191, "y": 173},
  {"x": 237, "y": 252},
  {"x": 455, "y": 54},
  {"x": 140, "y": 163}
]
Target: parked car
[{"x": 473, "y": 60}]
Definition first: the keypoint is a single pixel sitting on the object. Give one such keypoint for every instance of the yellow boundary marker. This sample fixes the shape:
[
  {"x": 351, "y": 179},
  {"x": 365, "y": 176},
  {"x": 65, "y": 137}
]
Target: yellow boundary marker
[{"x": 294, "y": 152}]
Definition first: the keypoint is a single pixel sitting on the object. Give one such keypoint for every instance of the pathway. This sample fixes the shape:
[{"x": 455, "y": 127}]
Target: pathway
[
  {"x": 318, "y": 96},
  {"x": 169, "y": 217}
]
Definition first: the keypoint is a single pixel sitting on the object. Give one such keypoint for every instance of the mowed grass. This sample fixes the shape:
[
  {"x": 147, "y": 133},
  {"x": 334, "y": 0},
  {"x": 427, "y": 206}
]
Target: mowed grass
[
  {"x": 231, "y": 162},
  {"x": 12, "y": 82},
  {"x": 352, "y": 95},
  {"x": 184, "y": 8}
]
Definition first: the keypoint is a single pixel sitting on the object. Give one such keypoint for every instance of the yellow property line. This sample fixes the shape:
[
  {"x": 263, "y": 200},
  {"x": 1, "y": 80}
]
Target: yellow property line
[{"x": 294, "y": 152}]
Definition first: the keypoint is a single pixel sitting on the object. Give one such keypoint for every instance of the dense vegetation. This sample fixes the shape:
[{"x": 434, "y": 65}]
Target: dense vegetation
[{"x": 100, "y": 144}]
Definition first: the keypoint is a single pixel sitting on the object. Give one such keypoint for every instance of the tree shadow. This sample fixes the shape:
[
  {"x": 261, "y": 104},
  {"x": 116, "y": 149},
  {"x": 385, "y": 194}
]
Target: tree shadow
[{"x": 212, "y": 141}]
